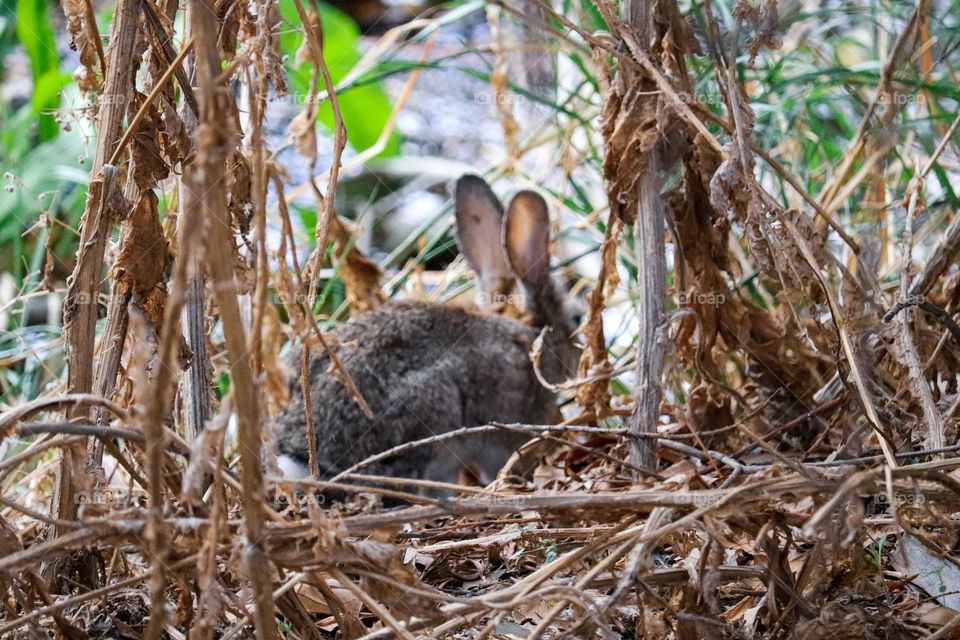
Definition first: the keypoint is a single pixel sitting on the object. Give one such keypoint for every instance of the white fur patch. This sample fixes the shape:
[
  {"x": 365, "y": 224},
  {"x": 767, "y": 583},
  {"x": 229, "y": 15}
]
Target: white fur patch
[{"x": 291, "y": 468}]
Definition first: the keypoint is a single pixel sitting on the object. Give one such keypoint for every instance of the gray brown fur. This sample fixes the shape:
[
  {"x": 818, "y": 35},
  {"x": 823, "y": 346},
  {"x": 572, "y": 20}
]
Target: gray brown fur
[{"x": 426, "y": 369}]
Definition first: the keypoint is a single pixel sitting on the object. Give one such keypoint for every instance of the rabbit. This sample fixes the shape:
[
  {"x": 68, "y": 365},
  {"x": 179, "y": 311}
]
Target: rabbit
[{"x": 425, "y": 369}]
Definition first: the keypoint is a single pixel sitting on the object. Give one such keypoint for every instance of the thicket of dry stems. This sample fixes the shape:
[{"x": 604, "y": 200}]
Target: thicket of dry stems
[{"x": 804, "y": 426}]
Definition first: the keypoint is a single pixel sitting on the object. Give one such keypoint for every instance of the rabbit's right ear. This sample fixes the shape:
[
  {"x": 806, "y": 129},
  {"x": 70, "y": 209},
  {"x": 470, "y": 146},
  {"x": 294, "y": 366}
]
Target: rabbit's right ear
[
  {"x": 527, "y": 238},
  {"x": 479, "y": 217}
]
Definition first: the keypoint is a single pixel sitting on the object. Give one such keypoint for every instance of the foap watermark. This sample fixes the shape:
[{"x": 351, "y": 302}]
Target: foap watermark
[
  {"x": 288, "y": 298},
  {"x": 85, "y": 298},
  {"x": 497, "y": 300},
  {"x": 111, "y": 497},
  {"x": 882, "y": 500},
  {"x": 897, "y": 98},
  {"x": 697, "y": 499},
  {"x": 298, "y": 500},
  {"x": 700, "y": 298},
  {"x": 300, "y": 99},
  {"x": 704, "y": 98},
  {"x": 113, "y": 99},
  {"x": 500, "y": 99}
]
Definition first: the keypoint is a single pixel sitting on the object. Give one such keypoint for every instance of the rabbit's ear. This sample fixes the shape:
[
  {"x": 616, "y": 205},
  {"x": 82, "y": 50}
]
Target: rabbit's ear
[
  {"x": 479, "y": 222},
  {"x": 527, "y": 238}
]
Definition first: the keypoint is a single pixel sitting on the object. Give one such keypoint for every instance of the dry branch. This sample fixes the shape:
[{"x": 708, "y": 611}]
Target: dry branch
[
  {"x": 80, "y": 307},
  {"x": 205, "y": 187}
]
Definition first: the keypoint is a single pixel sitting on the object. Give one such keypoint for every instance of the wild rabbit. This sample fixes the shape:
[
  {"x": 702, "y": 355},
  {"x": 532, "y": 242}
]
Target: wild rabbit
[{"x": 426, "y": 369}]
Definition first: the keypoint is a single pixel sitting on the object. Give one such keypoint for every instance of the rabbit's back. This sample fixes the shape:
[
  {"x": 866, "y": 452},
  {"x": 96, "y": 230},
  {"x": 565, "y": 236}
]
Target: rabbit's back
[{"x": 423, "y": 369}]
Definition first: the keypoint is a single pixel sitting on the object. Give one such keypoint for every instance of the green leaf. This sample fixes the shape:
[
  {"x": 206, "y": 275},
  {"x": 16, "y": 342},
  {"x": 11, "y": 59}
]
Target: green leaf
[
  {"x": 50, "y": 168},
  {"x": 595, "y": 19},
  {"x": 36, "y": 36},
  {"x": 46, "y": 98},
  {"x": 365, "y": 109}
]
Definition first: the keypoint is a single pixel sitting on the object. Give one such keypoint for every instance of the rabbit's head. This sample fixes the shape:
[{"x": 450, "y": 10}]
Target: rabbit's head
[{"x": 503, "y": 250}]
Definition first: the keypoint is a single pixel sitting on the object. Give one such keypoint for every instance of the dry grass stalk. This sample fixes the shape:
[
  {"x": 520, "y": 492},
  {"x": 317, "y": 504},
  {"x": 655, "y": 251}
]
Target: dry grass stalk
[{"x": 80, "y": 313}]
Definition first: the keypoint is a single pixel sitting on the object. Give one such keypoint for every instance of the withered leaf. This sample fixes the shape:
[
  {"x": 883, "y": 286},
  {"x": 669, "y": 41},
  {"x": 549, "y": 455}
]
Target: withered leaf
[
  {"x": 175, "y": 138},
  {"x": 594, "y": 397},
  {"x": 272, "y": 57},
  {"x": 767, "y": 23},
  {"x": 82, "y": 43},
  {"x": 631, "y": 130},
  {"x": 239, "y": 199},
  {"x": 148, "y": 161},
  {"x": 276, "y": 374},
  {"x": 360, "y": 275},
  {"x": 141, "y": 263},
  {"x": 303, "y": 130}
]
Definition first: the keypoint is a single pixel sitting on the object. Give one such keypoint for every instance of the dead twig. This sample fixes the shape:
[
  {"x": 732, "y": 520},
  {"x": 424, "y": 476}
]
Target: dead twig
[{"x": 938, "y": 313}]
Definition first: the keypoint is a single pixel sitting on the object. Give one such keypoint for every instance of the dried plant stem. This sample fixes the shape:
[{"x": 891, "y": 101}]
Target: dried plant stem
[
  {"x": 936, "y": 436},
  {"x": 258, "y": 192},
  {"x": 115, "y": 333},
  {"x": 941, "y": 315},
  {"x": 80, "y": 308},
  {"x": 70, "y": 402},
  {"x": 378, "y": 610},
  {"x": 195, "y": 386},
  {"x": 326, "y": 210},
  {"x": 652, "y": 277},
  {"x": 94, "y": 34},
  {"x": 327, "y": 204},
  {"x": 156, "y": 401},
  {"x": 649, "y": 234},
  {"x": 73, "y": 428},
  {"x": 390, "y": 125},
  {"x": 205, "y": 184},
  {"x": 533, "y": 430},
  {"x": 108, "y": 360},
  {"x": 498, "y": 81},
  {"x": 13, "y": 463},
  {"x": 162, "y": 41}
]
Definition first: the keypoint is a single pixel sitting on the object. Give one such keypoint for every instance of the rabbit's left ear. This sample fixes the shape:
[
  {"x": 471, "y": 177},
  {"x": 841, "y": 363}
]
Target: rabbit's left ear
[
  {"x": 479, "y": 221},
  {"x": 527, "y": 238}
]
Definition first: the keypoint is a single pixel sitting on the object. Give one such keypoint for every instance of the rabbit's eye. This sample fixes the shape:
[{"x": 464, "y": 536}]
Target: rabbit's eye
[{"x": 575, "y": 310}]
